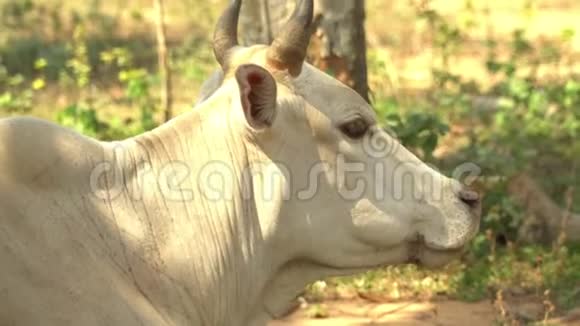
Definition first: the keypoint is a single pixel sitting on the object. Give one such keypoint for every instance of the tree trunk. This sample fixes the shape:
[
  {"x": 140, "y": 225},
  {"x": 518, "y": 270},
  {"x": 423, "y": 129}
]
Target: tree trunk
[
  {"x": 338, "y": 45},
  {"x": 261, "y": 20}
]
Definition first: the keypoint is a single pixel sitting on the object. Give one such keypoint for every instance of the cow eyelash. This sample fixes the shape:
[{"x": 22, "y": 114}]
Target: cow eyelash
[{"x": 355, "y": 129}]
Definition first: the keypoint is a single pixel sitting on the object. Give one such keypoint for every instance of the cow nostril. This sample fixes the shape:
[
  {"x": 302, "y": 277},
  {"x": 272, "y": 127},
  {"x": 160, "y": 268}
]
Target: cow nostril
[{"x": 470, "y": 198}]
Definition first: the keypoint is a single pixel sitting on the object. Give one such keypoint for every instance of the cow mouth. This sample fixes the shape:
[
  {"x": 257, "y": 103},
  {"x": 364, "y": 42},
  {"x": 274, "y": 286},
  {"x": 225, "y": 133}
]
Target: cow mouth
[{"x": 421, "y": 254}]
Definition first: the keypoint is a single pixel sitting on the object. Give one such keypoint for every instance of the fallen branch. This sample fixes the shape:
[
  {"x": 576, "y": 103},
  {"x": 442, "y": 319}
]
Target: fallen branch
[
  {"x": 571, "y": 318},
  {"x": 545, "y": 220}
]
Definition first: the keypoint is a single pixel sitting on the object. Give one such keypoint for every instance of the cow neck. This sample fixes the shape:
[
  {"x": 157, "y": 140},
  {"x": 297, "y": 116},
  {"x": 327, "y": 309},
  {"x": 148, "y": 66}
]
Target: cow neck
[{"x": 209, "y": 254}]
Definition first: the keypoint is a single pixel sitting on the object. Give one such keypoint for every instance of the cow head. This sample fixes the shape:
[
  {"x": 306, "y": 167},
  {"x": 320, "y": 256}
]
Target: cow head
[{"x": 349, "y": 196}]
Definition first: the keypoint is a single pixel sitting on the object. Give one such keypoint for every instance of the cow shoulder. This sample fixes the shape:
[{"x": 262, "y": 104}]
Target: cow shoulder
[{"x": 32, "y": 150}]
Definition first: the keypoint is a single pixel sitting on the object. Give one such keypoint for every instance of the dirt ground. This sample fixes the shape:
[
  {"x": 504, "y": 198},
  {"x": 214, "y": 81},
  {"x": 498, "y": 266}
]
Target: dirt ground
[
  {"x": 440, "y": 313},
  {"x": 448, "y": 313}
]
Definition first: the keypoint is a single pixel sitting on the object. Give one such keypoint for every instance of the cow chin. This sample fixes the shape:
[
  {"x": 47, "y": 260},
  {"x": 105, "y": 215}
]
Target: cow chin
[
  {"x": 433, "y": 258},
  {"x": 436, "y": 249}
]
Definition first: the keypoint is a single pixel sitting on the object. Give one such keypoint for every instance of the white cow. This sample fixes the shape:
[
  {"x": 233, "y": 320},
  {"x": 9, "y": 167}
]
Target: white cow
[{"x": 222, "y": 215}]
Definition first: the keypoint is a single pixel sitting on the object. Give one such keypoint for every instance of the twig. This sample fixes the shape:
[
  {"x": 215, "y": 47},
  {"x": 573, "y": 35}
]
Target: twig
[
  {"x": 162, "y": 54},
  {"x": 567, "y": 215}
]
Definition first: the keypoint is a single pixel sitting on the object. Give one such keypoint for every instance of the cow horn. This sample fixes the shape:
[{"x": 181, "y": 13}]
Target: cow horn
[
  {"x": 225, "y": 36},
  {"x": 288, "y": 51}
]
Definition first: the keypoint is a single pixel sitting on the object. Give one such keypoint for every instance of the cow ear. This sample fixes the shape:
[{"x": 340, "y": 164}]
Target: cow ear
[{"x": 258, "y": 95}]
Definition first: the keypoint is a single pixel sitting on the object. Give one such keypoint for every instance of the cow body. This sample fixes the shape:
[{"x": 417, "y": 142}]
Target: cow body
[
  {"x": 72, "y": 256},
  {"x": 221, "y": 216}
]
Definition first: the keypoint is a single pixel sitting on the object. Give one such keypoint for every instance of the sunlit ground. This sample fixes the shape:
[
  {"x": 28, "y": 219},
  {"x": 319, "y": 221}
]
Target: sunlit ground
[{"x": 448, "y": 313}]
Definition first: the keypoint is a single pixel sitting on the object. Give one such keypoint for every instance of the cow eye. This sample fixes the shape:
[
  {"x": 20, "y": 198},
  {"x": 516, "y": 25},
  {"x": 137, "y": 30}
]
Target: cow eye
[{"x": 355, "y": 129}]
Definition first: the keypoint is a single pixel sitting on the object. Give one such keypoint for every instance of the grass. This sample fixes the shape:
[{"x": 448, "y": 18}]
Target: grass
[{"x": 549, "y": 278}]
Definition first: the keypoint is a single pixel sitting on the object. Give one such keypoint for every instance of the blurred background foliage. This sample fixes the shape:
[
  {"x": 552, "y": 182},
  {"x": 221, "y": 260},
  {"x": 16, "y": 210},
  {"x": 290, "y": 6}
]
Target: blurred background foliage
[{"x": 494, "y": 83}]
